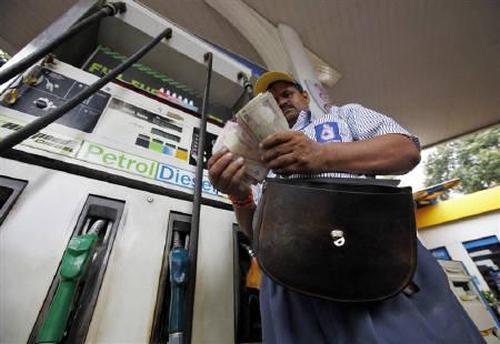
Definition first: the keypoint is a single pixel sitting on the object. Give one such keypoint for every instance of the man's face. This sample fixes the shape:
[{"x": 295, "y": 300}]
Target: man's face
[{"x": 290, "y": 100}]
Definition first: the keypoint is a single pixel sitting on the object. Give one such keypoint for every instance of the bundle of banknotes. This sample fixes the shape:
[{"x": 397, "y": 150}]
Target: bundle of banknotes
[{"x": 257, "y": 120}]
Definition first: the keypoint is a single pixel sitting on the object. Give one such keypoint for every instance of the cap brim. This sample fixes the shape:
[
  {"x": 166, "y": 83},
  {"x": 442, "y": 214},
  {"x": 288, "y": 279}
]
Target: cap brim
[{"x": 268, "y": 78}]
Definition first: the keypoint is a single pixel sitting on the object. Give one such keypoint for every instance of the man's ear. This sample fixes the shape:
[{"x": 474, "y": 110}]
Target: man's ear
[{"x": 306, "y": 96}]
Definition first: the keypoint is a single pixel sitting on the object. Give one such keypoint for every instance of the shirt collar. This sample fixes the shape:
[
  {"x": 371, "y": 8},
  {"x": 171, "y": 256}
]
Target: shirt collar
[{"x": 303, "y": 119}]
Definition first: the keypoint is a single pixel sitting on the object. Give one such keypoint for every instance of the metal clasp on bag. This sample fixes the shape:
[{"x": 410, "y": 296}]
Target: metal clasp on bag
[{"x": 338, "y": 237}]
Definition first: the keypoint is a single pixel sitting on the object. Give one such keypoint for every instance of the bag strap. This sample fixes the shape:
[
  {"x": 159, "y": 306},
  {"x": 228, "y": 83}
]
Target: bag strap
[{"x": 342, "y": 181}]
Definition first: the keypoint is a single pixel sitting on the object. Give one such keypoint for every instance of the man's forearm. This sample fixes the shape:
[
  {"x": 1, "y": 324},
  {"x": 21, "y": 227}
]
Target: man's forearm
[
  {"x": 386, "y": 154},
  {"x": 245, "y": 218}
]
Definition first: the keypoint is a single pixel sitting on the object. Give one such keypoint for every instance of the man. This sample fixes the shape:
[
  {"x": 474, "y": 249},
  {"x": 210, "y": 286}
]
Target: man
[{"x": 349, "y": 141}]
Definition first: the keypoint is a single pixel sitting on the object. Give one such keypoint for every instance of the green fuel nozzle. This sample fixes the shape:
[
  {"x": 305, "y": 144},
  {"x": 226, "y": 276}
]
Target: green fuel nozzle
[{"x": 74, "y": 263}]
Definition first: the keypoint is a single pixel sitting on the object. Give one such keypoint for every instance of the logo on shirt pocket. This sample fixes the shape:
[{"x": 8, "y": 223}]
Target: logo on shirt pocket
[{"x": 328, "y": 132}]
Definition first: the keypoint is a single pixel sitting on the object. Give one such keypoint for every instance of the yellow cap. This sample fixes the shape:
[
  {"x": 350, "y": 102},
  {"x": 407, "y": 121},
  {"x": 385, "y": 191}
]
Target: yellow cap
[{"x": 268, "y": 78}]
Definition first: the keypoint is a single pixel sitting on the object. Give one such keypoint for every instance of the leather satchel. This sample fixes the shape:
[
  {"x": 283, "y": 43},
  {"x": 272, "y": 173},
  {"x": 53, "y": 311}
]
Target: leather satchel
[{"x": 347, "y": 240}]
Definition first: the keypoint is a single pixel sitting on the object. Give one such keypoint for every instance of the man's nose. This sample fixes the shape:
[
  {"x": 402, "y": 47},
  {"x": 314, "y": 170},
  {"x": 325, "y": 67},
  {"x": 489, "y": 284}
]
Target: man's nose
[{"x": 282, "y": 101}]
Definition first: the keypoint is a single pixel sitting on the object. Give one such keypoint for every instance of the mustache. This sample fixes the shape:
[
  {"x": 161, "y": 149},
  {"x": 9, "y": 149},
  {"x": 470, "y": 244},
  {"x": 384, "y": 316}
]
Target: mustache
[{"x": 287, "y": 107}]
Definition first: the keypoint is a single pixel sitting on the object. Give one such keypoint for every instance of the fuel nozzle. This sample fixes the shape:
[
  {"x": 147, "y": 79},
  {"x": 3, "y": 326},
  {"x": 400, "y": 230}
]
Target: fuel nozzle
[
  {"x": 177, "y": 242},
  {"x": 179, "y": 269},
  {"x": 75, "y": 262},
  {"x": 97, "y": 227}
]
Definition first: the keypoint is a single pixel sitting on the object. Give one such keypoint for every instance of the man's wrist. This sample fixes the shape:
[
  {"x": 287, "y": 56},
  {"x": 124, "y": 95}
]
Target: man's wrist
[
  {"x": 320, "y": 160},
  {"x": 241, "y": 194},
  {"x": 242, "y": 201}
]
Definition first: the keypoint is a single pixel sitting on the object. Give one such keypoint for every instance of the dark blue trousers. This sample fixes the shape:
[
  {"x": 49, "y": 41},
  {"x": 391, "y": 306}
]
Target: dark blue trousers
[{"x": 432, "y": 315}]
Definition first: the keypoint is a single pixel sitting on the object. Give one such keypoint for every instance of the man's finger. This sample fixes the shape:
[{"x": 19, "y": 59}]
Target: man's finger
[
  {"x": 227, "y": 177},
  {"x": 219, "y": 166},
  {"x": 281, "y": 162},
  {"x": 276, "y": 139},
  {"x": 273, "y": 153},
  {"x": 239, "y": 176},
  {"x": 216, "y": 156}
]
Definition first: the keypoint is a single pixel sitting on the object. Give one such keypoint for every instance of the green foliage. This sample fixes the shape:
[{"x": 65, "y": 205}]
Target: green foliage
[
  {"x": 4, "y": 57},
  {"x": 475, "y": 159},
  {"x": 490, "y": 298}
]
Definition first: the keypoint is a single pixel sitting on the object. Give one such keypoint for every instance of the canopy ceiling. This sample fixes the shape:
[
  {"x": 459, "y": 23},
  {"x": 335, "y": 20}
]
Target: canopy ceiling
[{"x": 434, "y": 65}]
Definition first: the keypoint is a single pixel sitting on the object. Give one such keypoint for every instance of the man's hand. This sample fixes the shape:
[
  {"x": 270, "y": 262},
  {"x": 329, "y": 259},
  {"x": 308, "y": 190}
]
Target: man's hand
[
  {"x": 291, "y": 152},
  {"x": 226, "y": 172}
]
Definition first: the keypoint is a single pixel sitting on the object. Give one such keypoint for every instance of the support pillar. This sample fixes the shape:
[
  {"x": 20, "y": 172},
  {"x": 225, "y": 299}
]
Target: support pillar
[{"x": 280, "y": 47}]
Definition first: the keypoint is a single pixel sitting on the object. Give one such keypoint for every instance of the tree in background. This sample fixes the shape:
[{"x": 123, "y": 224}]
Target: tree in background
[
  {"x": 4, "y": 57},
  {"x": 475, "y": 159}
]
